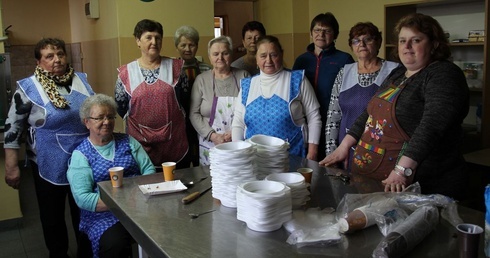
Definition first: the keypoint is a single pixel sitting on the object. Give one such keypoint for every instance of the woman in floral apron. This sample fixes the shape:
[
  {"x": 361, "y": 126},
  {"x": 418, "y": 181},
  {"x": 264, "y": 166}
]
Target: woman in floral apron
[
  {"x": 213, "y": 96},
  {"x": 411, "y": 130}
]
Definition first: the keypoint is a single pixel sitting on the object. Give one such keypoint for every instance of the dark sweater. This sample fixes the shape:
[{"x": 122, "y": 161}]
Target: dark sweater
[{"x": 431, "y": 110}]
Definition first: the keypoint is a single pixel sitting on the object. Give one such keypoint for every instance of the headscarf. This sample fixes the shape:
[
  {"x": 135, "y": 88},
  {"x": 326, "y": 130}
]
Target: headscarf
[{"x": 49, "y": 82}]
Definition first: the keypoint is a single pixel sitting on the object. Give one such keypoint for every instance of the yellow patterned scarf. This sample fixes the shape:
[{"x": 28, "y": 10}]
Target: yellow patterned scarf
[{"x": 49, "y": 82}]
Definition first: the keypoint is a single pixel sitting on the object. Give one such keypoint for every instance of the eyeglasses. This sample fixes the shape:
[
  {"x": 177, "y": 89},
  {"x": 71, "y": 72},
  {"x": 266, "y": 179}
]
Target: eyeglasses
[
  {"x": 323, "y": 31},
  {"x": 366, "y": 41},
  {"x": 102, "y": 119}
]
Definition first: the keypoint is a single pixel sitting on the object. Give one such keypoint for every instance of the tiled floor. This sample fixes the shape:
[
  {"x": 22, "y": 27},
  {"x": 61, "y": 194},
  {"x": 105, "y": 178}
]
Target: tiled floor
[{"x": 24, "y": 237}]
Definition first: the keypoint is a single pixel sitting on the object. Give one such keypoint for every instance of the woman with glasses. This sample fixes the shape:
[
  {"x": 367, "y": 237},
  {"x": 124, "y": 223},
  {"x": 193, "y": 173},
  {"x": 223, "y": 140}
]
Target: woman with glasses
[
  {"x": 321, "y": 62},
  {"x": 411, "y": 129},
  {"x": 355, "y": 83},
  {"x": 89, "y": 164}
]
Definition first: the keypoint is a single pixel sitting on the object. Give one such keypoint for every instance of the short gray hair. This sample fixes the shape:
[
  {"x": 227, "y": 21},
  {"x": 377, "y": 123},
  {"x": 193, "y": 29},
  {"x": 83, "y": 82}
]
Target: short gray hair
[
  {"x": 97, "y": 99},
  {"x": 188, "y": 32},
  {"x": 221, "y": 39}
]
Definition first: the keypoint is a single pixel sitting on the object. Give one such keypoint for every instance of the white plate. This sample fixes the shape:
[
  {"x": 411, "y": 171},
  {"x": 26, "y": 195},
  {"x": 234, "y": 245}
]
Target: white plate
[{"x": 163, "y": 188}]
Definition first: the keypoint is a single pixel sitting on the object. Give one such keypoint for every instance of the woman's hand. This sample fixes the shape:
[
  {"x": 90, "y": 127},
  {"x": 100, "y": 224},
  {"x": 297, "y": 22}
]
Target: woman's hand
[
  {"x": 12, "y": 177},
  {"x": 396, "y": 183},
  {"x": 339, "y": 155},
  {"x": 220, "y": 138},
  {"x": 312, "y": 152}
]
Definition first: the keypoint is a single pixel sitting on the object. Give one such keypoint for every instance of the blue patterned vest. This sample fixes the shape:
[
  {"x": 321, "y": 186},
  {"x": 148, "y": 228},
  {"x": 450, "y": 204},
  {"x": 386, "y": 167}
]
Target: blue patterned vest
[
  {"x": 94, "y": 224},
  {"x": 61, "y": 131},
  {"x": 271, "y": 116}
]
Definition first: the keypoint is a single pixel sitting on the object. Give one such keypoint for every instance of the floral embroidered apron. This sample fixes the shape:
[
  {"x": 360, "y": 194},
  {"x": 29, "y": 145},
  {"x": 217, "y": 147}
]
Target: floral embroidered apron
[
  {"x": 220, "y": 120},
  {"x": 383, "y": 139},
  {"x": 155, "y": 118}
]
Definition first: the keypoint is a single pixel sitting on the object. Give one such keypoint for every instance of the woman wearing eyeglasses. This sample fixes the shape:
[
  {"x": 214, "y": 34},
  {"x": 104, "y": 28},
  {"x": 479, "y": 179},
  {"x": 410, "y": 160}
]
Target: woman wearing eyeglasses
[
  {"x": 89, "y": 164},
  {"x": 321, "y": 62},
  {"x": 355, "y": 83}
]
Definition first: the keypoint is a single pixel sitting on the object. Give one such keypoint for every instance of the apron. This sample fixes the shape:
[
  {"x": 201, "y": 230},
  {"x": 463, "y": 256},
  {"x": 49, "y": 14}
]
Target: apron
[
  {"x": 220, "y": 120},
  {"x": 61, "y": 131},
  {"x": 94, "y": 224},
  {"x": 382, "y": 142},
  {"x": 156, "y": 119},
  {"x": 277, "y": 121}
]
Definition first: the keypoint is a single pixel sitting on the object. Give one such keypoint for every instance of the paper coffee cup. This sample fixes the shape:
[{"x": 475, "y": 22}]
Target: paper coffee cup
[
  {"x": 468, "y": 238},
  {"x": 116, "y": 174},
  {"x": 168, "y": 170},
  {"x": 307, "y": 173}
]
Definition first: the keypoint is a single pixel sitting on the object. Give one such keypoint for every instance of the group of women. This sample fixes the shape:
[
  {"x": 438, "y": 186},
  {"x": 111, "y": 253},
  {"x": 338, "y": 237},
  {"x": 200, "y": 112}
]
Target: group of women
[{"x": 397, "y": 123}]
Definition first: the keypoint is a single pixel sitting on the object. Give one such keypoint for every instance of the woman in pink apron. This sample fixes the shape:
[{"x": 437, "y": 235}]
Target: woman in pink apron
[
  {"x": 148, "y": 97},
  {"x": 212, "y": 98},
  {"x": 411, "y": 130}
]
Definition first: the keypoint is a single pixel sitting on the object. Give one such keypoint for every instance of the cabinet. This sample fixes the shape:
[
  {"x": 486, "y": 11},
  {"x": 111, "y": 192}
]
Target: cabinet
[{"x": 457, "y": 17}]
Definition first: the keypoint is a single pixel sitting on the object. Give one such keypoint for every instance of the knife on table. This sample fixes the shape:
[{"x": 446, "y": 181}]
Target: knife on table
[{"x": 191, "y": 197}]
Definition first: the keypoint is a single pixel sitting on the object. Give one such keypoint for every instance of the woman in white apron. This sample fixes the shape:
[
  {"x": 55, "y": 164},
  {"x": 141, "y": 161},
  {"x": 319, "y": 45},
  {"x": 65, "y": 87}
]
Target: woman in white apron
[{"x": 212, "y": 98}]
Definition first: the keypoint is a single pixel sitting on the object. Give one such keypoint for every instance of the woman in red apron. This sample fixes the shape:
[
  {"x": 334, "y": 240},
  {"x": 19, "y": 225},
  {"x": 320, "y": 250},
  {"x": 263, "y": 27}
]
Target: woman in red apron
[{"x": 411, "y": 129}]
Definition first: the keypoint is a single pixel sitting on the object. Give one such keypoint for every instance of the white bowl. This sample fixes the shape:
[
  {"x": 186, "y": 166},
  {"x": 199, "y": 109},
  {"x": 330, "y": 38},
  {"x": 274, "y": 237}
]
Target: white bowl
[
  {"x": 233, "y": 146},
  {"x": 263, "y": 188},
  {"x": 290, "y": 179},
  {"x": 266, "y": 140}
]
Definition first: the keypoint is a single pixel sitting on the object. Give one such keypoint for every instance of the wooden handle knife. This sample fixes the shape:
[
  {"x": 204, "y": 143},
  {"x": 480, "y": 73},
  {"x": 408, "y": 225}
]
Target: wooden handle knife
[{"x": 191, "y": 197}]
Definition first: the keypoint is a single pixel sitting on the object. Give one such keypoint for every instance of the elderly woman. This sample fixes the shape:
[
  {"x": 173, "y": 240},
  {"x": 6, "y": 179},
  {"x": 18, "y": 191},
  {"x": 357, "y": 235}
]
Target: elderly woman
[
  {"x": 47, "y": 104},
  {"x": 89, "y": 164},
  {"x": 148, "y": 94},
  {"x": 251, "y": 32},
  {"x": 411, "y": 130},
  {"x": 356, "y": 83},
  {"x": 321, "y": 62},
  {"x": 278, "y": 103},
  {"x": 213, "y": 97},
  {"x": 186, "y": 40}
]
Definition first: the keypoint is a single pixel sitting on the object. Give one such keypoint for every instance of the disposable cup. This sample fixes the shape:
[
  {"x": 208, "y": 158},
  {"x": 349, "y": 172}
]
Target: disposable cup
[
  {"x": 168, "y": 170},
  {"x": 468, "y": 238},
  {"x": 116, "y": 174},
  {"x": 307, "y": 173}
]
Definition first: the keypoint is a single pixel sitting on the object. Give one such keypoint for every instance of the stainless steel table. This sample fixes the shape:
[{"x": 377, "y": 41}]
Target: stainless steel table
[{"x": 162, "y": 226}]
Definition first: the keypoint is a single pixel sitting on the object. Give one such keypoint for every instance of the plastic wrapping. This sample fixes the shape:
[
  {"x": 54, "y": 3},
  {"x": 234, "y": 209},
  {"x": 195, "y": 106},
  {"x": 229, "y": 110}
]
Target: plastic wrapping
[
  {"x": 313, "y": 227},
  {"x": 388, "y": 210},
  {"x": 409, "y": 233}
]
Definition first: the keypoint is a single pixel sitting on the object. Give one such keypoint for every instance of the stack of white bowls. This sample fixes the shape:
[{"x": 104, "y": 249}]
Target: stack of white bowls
[
  {"x": 264, "y": 205},
  {"x": 299, "y": 191},
  {"x": 231, "y": 164},
  {"x": 272, "y": 155}
]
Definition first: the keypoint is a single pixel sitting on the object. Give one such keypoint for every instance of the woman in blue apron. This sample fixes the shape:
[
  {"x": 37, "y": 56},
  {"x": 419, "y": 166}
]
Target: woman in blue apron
[{"x": 278, "y": 102}]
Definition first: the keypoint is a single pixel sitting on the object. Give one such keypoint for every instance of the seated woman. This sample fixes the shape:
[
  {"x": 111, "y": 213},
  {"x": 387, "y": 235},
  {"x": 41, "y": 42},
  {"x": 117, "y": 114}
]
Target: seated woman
[
  {"x": 279, "y": 103},
  {"x": 89, "y": 165}
]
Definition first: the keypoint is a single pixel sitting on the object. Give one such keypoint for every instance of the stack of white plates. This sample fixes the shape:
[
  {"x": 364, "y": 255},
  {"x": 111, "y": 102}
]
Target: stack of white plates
[
  {"x": 299, "y": 191},
  {"x": 263, "y": 205},
  {"x": 230, "y": 165},
  {"x": 272, "y": 155}
]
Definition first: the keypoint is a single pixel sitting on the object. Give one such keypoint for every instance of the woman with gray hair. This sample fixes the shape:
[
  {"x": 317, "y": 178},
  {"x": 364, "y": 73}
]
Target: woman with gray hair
[
  {"x": 89, "y": 164},
  {"x": 213, "y": 96},
  {"x": 186, "y": 41}
]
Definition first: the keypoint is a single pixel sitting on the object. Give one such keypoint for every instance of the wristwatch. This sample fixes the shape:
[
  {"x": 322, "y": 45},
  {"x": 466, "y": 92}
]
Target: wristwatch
[{"x": 402, "y": 171}]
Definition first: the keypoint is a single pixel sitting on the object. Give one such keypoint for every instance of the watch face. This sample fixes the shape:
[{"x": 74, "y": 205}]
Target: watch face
[{"x": 408, "y": 172}]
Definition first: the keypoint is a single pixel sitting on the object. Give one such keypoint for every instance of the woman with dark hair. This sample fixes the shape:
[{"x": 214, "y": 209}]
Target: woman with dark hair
[
  {"x": 148, "y": 94},
  {"x": 355, "y": 83},
  {"x": 278, "y": 102},
  {"x": 411, "y": 129},
  {"x": 251, "y": 32},
  {"x": 46, "y": 105},
  {"x": 321, "y": 62}
]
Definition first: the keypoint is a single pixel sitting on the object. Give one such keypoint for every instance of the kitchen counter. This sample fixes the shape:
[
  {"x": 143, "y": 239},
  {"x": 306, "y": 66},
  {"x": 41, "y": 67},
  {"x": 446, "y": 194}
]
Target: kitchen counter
[{"x": 162, "y": 226}]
